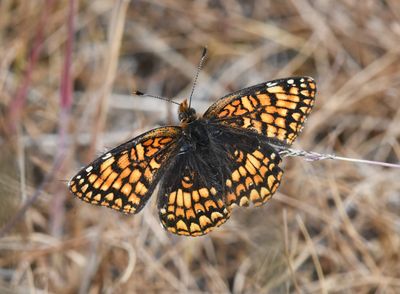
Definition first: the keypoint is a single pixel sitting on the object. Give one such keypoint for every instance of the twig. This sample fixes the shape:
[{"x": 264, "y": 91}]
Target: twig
[
  {"x": 93, "y": 261},
  {"x": 115, "y": 33},
  {"x": 314, "y": 156},
  {"x": 287, "y": 253},
  {"x": 15, "y": 108},
  {"x": 58, "y": 212},
  {"x": 314, "y": 255}
]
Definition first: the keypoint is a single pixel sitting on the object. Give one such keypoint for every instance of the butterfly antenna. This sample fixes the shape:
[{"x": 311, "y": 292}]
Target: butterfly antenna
[
  {"x": 138, "y": 93},
  {"x": 202, "y": 59}
]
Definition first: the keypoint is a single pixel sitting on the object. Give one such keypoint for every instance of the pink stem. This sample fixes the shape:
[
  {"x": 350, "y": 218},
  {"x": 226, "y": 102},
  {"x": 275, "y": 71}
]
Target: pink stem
[
  {"x": 18, "y": 102},
  {"x": 66, "y": 97}
]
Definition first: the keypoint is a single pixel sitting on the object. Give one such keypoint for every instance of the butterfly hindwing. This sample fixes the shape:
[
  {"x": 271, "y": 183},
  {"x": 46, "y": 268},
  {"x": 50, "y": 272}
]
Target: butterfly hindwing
[
  {"x": 253, "y": 172},
  {"x": 191, "y": 196},
  {"x": 276, "y": 109},
  {"x": 255, "y": 176},
  {"x": 125, "y": 177}
]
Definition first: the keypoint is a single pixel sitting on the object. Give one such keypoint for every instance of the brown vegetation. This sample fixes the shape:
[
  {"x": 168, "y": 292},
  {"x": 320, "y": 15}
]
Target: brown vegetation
[{"x": 65, "y": 85}]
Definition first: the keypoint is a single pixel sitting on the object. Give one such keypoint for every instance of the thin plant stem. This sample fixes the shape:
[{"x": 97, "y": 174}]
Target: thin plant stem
[
  {"x": 17, "y": 104},
  {"x": 66, "y": 97},
  {"x": 314, "y": 156}
]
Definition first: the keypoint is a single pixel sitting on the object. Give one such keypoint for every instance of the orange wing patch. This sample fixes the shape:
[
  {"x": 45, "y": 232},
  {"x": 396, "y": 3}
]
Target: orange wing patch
[
  {"x": 124, "y": 178},
  {"x": 192, "y": 209},
  {"x": 276, "y": 109}
]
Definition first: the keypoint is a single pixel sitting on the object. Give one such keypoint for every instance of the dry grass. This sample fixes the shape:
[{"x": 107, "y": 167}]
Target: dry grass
[{"x": 332, "y": 227}]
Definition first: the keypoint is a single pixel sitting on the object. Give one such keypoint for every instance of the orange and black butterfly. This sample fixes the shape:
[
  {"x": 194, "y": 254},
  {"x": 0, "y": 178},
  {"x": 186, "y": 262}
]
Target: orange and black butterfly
[{"x": 207, "y": 164}]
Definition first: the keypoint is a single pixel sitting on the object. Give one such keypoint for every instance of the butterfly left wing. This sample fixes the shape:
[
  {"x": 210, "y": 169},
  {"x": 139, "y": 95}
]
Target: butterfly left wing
[
  {"x": 276, "y": 109},
  {"x": 125, "y": 177}
]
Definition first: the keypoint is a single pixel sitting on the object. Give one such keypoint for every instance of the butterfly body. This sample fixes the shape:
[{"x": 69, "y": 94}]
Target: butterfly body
[{"x": 208, "y": 163}]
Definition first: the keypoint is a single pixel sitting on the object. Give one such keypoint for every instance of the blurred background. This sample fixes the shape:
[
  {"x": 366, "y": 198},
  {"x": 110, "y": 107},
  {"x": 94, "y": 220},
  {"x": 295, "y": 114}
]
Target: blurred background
[{"x": 67, "y": 70}]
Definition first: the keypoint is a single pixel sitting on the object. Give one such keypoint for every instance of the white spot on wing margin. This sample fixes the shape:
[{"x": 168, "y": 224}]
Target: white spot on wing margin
[{"x": 108, "y": 155}]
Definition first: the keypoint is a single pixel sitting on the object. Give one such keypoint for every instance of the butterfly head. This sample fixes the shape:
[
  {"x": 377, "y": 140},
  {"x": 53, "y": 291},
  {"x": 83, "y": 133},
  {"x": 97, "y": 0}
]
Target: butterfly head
[{"x": 186, "y": 114}]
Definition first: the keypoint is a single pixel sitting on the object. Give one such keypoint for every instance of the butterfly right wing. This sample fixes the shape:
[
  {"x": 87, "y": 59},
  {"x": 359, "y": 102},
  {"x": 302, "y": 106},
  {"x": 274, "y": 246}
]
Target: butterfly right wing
[
  {"x": 253, "y": 164},
  {"x": 255, "y": 176},
  {"x": 275, "y": 109},
  {"x": 125, "y": 177}
]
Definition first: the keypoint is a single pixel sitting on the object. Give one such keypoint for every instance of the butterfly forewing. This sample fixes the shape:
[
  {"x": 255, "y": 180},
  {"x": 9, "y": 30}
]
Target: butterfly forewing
[
  {"x": 275, "y": 109},
  {"x": 125, "y": 177}
]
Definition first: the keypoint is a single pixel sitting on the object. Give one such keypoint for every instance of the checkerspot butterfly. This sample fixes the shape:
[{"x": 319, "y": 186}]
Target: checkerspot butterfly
[{"x": 208, "y": 163}]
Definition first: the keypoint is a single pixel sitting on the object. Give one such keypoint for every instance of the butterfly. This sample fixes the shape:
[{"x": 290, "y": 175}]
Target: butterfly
[{"x": 208, "y": 164}]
